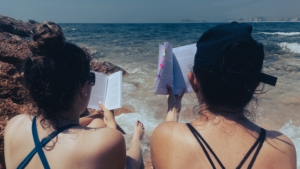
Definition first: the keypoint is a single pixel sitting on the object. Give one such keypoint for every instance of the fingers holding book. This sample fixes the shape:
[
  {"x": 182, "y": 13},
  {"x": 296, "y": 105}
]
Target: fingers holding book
[
  {"x": 174, "y": 101},
  {"x": 109, "y": 117}
]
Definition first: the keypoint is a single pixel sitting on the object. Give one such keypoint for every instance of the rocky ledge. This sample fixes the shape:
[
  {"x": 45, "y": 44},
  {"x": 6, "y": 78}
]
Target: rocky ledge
[{"x": 13, "y": 52}]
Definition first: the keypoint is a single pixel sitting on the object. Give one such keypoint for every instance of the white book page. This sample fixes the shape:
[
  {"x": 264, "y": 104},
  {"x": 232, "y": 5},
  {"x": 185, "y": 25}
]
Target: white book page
[
  {"x": 160, "y": 56},
  {"x": 178, "y": 79},
  {"x": 185, "y": 56},
  {"x": 98, "y": 92},
  {"x": 114, "y": 91},
  {"x": 165, "y": 71}
]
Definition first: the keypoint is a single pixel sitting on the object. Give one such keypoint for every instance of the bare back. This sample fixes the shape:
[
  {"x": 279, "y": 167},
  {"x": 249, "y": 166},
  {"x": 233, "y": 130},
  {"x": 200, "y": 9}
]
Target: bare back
[
  {"x": 174, "y": 146},
  {"x": 78, "y": 147}
]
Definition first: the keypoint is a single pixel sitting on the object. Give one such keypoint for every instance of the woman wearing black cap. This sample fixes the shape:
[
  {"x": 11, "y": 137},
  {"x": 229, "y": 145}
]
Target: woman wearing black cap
[{"x": 226, "y": 74}]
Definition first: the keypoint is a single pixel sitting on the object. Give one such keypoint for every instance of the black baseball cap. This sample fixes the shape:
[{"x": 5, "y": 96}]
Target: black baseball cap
[{"x": 215, "y": 41}]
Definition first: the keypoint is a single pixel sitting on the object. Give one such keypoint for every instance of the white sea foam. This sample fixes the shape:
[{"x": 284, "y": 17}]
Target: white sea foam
[
  {"x": 293, "y": 133},
  {"x": 293, "y": 47},
  {"x": 281, "y": 33}
]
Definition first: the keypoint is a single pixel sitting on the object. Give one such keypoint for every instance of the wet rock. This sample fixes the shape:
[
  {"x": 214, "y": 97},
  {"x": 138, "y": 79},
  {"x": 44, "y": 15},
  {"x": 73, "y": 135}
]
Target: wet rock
[{"x": 106, "y": 67}]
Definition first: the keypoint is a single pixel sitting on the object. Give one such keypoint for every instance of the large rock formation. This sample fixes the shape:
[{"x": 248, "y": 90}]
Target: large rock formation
[
  {"x": 17, "y": 27},
  {"x": 13, "y": 52}
]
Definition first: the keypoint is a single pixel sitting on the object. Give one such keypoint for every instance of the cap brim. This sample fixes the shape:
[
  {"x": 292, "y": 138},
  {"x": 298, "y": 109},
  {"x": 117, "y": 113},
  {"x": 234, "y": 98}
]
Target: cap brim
[{"x": 268, "y": 79}]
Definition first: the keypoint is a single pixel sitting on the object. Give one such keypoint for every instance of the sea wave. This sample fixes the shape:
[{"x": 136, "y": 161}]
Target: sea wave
[
  {"x": 293, "y": 47},
  {"x": 281, "y": 33}
]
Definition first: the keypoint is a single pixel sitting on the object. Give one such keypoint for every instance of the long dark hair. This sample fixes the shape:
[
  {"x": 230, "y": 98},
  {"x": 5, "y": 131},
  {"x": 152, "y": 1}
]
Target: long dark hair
[
  {"x": 55, "y": 71},
  {"x": 231, "y": 85}
]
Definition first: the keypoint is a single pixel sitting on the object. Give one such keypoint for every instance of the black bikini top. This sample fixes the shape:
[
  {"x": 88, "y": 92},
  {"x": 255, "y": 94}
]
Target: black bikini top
[{"x": 259, "y": 142}]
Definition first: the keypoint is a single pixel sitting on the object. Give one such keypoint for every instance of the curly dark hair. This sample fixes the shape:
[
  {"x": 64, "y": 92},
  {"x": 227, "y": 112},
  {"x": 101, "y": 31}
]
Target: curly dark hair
[
  {"x": 55, "y": 71},
  {"x": 232, "y": 84}
]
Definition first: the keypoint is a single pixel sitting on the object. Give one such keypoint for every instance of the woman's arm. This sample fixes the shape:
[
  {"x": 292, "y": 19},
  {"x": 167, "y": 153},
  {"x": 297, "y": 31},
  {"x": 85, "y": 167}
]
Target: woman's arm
[
  {"x": 85, "y": 121},
  {"x": 103, "y": 115}
]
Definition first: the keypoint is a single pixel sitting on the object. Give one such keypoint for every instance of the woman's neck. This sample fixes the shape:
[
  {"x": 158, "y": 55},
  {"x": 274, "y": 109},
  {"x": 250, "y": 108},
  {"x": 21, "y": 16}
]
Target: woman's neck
[
  {"x": 221, "y": 115},
  {"x": 64, "y": 118}
]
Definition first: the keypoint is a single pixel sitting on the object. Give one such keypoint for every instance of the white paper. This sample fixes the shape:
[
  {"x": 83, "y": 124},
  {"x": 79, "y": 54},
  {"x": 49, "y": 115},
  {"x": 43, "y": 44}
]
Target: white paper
[
  {"x": 185, "y": 56},
  {"x": 166, "y": 73},
  {"x": 176, "y": 68},
  {"x": 178, "y": 80},
  {"x": 160, "y": 56},
  {"x": 114, "y": 91},
  {"x": 98, "y": 92},
  {"x": 108, "y": 90}
]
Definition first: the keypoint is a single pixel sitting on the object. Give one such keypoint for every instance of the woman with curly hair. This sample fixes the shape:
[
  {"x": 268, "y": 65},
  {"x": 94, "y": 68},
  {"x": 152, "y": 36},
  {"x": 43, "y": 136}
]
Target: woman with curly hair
[{"x": 57, "y": 75}]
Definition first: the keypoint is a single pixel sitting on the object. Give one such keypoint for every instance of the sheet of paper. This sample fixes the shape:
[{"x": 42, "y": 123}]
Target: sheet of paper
[
  {"x": 165, "y": 73},
  {"x": 185, "y": 56},
  {"x": 178, "y": 79},
  {"x": 114, "y": 91},
  {"x": 98, "y": 92},
  {"x": 161, "y": 50}
]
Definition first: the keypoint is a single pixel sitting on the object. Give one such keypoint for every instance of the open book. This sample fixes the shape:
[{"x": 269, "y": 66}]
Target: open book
[
  {"x": 173, "y": 67},
  {"x": 108, "y": 90}
]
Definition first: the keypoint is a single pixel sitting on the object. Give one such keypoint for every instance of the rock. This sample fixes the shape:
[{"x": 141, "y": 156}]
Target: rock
[
  {"x": 10, "y": 86},
  {"x": 13, "y": 51},
  {"x": 17, "y": 27},
  {"x": 106, "y": 67},
  {"x": 125, "y": 109}
]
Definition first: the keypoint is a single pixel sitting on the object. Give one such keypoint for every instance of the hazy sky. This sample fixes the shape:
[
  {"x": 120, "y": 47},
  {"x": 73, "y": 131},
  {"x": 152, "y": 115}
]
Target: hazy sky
[{"x": 146, "y": 11}]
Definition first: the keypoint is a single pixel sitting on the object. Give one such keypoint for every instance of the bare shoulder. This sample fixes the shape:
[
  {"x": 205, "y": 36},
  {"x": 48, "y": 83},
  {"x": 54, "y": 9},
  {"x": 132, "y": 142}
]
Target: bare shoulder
[
  {"x": 18, "y": 122},
  {"x": 282, "y": 148},
  {"x": 280, "y": 141},
  {"x": 112, "y": 136},
  {"x": 17, "y": 135},
  {"x": 106, "y": 145},
  {"x": 106, "y": 137},
  {"x": 170, "y": 144},
  {"x": 167, "y": 128}
]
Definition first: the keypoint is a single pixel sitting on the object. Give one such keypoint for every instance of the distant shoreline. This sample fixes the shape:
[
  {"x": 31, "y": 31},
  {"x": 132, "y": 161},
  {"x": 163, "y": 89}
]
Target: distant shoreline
[
  {"x": 183, "y": 22},
  {"x": 267, "y": 21}
]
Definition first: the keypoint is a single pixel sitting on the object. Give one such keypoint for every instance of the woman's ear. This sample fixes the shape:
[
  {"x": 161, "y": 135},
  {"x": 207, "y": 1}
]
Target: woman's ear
[
  {"x": 193, "y": 81},
  {"x": 84, "y": 90}
]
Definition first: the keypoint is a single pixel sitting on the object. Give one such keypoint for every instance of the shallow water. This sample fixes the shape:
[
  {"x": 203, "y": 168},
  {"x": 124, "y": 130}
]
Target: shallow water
[{"x": 134, "y": 47}]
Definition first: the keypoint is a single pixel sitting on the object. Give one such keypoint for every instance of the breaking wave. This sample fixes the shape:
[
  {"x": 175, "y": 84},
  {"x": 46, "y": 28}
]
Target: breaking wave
[
  {"x": 293, "y": 47},
  {"x": 281, "y": 33}
]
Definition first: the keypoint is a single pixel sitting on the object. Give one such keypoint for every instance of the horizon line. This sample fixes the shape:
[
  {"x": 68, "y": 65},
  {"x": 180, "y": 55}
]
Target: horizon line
[{"x": 174, "y": 22}]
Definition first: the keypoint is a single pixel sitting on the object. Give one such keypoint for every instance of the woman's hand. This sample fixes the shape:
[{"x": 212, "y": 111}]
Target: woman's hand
[
  {"x": 174, "y": 104},
  {"x": 174, "y": 101},
  {"x": 109, "y": 118}
]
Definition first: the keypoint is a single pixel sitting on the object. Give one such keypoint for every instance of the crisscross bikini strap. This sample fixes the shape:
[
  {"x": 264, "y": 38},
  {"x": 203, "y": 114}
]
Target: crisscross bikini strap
[
  {"x": 200, "y": 139},
  {"x": 260, "y": 140},
  {"x": 27, "y": 159},
  {"x": 39, "y": 145},
  {"x": 258, "y": 143}
]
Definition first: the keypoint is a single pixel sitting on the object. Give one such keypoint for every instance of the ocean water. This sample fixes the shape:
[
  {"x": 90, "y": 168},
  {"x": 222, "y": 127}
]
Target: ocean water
[{"x": 134, "y": 47}]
